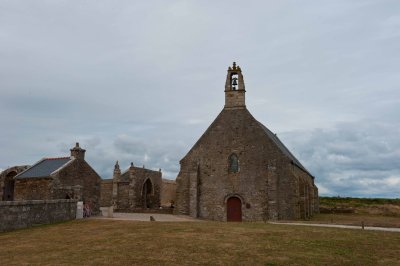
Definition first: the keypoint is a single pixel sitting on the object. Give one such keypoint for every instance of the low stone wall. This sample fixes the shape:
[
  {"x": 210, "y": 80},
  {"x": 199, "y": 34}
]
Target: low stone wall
[{"x": 22, "y": 214}]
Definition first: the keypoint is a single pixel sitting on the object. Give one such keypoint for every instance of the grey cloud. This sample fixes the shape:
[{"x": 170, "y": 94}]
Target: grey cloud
[
  {"x": 141, "y": 81},
  {"x": 352, "y": 158}
]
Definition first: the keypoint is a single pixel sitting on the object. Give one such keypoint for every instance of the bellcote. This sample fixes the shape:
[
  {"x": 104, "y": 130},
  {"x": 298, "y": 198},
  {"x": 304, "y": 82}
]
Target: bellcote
[{"x": 234, "y": 88}]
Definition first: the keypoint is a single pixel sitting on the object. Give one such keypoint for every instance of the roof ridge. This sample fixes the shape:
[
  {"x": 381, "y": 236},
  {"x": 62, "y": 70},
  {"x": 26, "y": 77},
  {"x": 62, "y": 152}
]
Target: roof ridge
[{"x": 57, "y": 158}]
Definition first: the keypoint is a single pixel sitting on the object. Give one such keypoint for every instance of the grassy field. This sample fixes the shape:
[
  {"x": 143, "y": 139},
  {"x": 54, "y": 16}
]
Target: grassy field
[
  {"x": 105, "y": 242},
  {"x": 356, "y": 202},
  {"x": 354, "y": 219},
  {"x": 370, "y": 211},
  {"x": 363, "y": 206}
]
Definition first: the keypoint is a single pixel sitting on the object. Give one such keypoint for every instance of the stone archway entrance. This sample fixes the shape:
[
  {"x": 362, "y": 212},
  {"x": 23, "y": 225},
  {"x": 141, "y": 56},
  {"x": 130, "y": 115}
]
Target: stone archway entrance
[
  {"x": 8, "y": 190},
  {"x": 147, "y": 193},
  {"x": 234, "y": 210}
]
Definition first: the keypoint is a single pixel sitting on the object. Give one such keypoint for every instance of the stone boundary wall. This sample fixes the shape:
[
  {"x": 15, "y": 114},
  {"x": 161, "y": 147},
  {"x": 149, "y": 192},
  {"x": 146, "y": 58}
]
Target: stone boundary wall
[{"x": 22, "y": 214}]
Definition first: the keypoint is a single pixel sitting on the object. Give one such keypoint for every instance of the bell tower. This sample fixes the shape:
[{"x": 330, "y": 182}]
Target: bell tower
[{"x": 234, "y": 88}]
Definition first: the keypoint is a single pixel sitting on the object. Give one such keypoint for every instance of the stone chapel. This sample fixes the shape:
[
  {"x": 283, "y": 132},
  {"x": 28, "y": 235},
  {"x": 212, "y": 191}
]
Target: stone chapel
[
  {"x": 240, "y": 171},
  {"x": 135, "y": 189},
  {"x": 69, "y": 177}
]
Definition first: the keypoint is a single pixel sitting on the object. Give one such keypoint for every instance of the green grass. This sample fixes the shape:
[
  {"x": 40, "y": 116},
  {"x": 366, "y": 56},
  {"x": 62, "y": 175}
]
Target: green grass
[
  {"x": 356, "y": 202},
  {"x": 355, "y": 219},
  {"x": 361, "y": 206},
  {"x": 105, "y": 242}
]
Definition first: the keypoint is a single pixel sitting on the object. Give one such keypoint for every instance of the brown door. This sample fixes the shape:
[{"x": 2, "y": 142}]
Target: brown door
[{"x": 234, "y": 210}]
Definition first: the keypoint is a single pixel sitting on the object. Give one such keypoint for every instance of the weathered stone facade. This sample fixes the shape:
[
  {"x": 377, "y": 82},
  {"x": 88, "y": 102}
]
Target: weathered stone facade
[
  {"x": 135, "y": 189},
  {"x": 22, "y": 214},
  {"x": 106, "y": 192},
  {"x": 60, "y": 178},
  {"x": 239, "y": 170},
  {"x": 168, "y": 193},
  {"x": 7, "y": 181}
]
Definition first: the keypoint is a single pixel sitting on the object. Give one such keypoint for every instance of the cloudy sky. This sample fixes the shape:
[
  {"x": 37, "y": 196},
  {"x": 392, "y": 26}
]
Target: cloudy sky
[{"x": 141, "y": 80}]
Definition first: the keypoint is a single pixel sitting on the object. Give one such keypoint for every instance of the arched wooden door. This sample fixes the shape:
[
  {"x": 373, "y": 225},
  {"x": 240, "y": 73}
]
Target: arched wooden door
[{"x": 234, "y": 210}]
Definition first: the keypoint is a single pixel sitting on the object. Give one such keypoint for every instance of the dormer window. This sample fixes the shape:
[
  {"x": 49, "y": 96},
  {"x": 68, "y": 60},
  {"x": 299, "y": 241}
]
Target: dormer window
[{"x": 233, "y": 163}]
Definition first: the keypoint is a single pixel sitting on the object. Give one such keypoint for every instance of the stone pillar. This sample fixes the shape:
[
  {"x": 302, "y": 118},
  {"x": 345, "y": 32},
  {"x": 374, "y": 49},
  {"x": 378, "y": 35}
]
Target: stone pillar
[
  {"x": 79, "y": 210},
  {"x": 272, "y": 196},
  {"x": 116, "y": 178},
  {"x": 110, "y": 212},
  {"x": 193, "y": 194},
  {"x": 133, "y": 202}
]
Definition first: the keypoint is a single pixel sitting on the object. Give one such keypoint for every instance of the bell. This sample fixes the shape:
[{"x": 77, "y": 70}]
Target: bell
[{"x": 234, "y": 81}]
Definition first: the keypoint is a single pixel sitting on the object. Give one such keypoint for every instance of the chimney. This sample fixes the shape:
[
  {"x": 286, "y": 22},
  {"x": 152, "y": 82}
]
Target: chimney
[{"x": 77, "y": 152}]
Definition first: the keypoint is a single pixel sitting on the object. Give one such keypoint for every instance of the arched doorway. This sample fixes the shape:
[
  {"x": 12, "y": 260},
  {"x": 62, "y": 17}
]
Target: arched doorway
[
  {"x": 8, "y": 189},
  {"x": 234, "y": 210},
  {"x": 147, "y": 192}
]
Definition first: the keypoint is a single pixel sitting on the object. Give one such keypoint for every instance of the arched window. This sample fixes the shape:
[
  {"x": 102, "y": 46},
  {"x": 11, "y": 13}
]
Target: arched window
[{"x": 233, "y": 163}]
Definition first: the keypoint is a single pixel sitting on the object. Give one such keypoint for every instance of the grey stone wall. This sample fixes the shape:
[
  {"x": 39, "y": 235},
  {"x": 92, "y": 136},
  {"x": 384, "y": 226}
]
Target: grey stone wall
[
  {"x": 106, "y": 189},
  {"x": 33, "y": 189},
  {"x": 265, "y": 180},
  {"x": 7, "y": 181},
  {"x": 22, "y": 214},
  {"x": 123, "y": 195},
  {"x": 77, "y": 181},
  {"x": 80, "y": 181},
  {"x": 267, "y": 183},
  {"x": 168, "y": 192},
  {"x": 128, "y": 189}
]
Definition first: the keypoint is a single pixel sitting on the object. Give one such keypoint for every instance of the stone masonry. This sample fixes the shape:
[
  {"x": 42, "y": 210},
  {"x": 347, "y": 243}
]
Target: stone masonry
[
  {"x": 7, "y": 181},
  {"x": 60, "y": 178},
  {"x": 168, "y": 193},
  {"x": 22, "y": 214},
  {"x": 239, "y": 170},
  {"x": 137, "y": 188}
]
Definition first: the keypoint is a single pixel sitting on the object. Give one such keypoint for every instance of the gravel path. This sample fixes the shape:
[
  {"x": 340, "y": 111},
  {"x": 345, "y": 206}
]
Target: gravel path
[{"x": 146, "y": 217}]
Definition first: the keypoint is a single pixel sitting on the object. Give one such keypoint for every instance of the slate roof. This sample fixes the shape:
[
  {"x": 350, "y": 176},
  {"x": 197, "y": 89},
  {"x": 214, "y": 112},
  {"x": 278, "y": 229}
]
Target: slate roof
[
  {"x": 283, "y": 148},
  {"x": 44, "y": 167}
]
